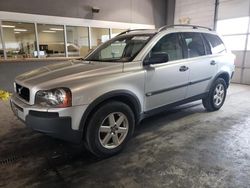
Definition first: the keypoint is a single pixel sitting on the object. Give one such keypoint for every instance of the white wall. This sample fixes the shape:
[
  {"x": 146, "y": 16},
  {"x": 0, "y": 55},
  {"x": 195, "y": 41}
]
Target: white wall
[
  {"x": 200, "y": 12},
  {"x": 131, "y": 11},
  {"x": 233, "y": 9}
]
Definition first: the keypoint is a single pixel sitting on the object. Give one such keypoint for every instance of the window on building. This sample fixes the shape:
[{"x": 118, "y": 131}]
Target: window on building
[
  {"x": 51, "y": 40},
  {"x": 98, "y": 36},
  {"x": 232, "y": 26},
  {"x": 235, "y": 42},
  {"x": 215, "y": 42},
  {"x": 1, "y": 49},
  {"x": 116, "y": 32},
  {"x": 77, "y": 41},
  {"x": 169, "y": 44},
  {"x": 248, "y": 43},
  {"x": 194, "y": 44},
  {"x": 20, "y": 40}
]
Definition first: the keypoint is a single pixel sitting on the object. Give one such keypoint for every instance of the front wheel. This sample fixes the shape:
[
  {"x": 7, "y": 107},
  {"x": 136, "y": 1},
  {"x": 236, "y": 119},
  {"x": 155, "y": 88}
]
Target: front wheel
[
  {"x": 109, "y": 129},
  {"x": 216, "y": 96}
]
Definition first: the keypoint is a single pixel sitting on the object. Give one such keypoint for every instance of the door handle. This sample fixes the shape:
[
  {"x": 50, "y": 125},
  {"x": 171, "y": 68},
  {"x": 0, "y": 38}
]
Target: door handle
[
  {"x": 183, "y": 68},
  {"x": 212, "y": 62}
]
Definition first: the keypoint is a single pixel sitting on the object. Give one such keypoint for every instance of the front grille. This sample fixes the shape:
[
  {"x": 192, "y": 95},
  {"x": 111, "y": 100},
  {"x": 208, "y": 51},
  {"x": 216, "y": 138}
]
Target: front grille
[{"x": 23, "y": 92}]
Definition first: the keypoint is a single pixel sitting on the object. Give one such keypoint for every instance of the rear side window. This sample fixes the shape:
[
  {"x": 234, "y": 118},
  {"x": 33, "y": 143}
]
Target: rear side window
[
  {"x": 194, "y": 44},
  {"x": 207, "y": 46},
  {"x": 215, "y": 43}
]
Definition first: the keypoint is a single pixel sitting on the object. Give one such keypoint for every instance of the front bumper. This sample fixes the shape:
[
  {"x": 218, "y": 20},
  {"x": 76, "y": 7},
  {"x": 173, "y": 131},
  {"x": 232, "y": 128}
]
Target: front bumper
[
  {"x": 62, "y": 123},
  {"x": 53, "y": 125}
]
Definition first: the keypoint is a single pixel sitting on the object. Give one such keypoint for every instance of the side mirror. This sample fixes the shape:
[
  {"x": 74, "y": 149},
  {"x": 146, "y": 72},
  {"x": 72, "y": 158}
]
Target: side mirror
[{"x": 156, "y": 58}]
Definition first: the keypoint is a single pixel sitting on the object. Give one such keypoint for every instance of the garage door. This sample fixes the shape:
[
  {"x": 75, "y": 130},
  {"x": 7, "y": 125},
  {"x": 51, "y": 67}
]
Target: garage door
[{"x": 233, "y": 25}]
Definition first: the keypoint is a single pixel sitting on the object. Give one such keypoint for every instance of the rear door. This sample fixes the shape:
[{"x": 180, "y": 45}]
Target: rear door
[{"x": 200, "y": 62}]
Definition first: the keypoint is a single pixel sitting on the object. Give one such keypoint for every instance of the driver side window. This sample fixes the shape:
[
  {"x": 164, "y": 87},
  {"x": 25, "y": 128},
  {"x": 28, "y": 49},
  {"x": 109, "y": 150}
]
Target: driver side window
[{"x": 169, "y": 44}]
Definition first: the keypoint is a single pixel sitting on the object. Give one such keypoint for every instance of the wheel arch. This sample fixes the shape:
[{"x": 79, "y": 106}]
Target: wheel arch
[
  {"x": 224, "y": 75},
  {"x": 124, "y": 96}
]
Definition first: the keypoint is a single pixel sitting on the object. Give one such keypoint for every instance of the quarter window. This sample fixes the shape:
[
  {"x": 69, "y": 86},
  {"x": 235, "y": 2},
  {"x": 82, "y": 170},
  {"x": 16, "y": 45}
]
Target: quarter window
[
  {"x": 169, "y": 44},
  {"x": 194, "y": 44},
  {"x": 215, "y": 42}
]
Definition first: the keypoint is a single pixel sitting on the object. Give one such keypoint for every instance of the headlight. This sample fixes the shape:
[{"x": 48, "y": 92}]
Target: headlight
[{"x": 59, "y": 97}]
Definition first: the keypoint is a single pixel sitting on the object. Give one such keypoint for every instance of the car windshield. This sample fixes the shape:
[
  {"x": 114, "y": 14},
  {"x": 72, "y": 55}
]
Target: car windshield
[{"x": 120, "y": 49}]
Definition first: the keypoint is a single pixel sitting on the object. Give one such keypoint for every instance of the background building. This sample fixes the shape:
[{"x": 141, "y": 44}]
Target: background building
[{"x": 49, "y": 29}]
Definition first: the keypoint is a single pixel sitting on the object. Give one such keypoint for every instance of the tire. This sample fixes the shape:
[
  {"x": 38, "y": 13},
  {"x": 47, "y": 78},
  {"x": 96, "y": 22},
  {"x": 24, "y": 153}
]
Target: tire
[
  {"x": 216, "y": 95},
  {"x": 109, "y": 129}
]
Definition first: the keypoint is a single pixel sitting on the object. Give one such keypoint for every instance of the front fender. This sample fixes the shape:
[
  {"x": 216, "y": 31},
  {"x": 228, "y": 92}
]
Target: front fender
[{"x": 125, "y": 96}]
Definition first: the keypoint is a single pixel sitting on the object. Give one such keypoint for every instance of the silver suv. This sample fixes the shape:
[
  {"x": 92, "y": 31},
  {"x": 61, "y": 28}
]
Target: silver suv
[{"x": 98, "y": 100}]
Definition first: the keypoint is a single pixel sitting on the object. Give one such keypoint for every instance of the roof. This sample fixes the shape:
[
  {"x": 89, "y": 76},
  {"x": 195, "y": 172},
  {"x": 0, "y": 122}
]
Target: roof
[{"x": 179, "y": 27}]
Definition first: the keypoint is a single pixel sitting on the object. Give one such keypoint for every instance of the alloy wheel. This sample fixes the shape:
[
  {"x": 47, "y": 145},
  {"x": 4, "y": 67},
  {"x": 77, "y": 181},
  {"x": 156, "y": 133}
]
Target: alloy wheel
[
  {"x": 113, "y": 130},
  {"x": 219, "y": 94}
]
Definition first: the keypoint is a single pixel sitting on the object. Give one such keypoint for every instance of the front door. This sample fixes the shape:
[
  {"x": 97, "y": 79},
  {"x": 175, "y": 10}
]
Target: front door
[{"x": 166, "y": 82}]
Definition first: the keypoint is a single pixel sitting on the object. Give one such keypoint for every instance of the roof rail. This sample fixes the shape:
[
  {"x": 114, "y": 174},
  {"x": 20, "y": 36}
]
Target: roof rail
[
  {"x": 130, "y": 30},
  {"x": 183, "y": 25}
]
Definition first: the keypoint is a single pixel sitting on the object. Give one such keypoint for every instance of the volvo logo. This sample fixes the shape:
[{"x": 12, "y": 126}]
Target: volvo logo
[{"x": 19, "y": 90}]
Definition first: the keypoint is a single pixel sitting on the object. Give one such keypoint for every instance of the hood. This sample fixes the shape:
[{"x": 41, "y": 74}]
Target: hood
[{"x": 59, "y": 73}]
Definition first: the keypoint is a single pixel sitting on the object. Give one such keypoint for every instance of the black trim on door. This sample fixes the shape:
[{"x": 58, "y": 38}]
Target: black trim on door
[
  {"x": 198, "y": 81},
  {"x": 176, "y": 87},
  {"x": 165, "y": 90},
  {"x": 170, "y": 106}
]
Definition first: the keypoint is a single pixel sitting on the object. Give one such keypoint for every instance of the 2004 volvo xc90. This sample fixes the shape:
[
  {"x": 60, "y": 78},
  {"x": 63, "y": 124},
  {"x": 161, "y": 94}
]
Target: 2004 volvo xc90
[{"x": 98, "y": 100}]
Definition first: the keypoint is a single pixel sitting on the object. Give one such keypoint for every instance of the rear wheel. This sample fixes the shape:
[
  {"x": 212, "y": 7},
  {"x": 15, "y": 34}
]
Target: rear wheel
[
  {"x": 109, "y": 129},
  {"x": 216, "y": 95}
]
